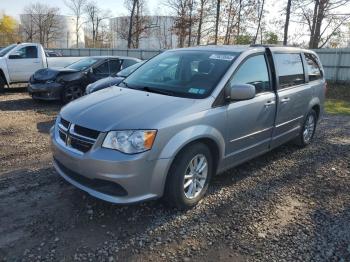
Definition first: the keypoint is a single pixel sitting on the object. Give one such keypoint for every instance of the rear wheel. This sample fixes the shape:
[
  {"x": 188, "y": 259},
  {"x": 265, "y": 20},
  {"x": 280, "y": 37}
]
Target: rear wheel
[
  {"x": 308, "y": 131},
  {"x": 71, "y": 93},
  {"x": 189, "y": 176}
]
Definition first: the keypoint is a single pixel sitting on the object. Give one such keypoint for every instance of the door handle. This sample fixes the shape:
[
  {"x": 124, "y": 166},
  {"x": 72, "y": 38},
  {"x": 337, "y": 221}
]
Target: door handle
[
  {"x": 36, "y": 62},
  {"x": 285, "y": 100},
  {"x": 269, "y": 103}
]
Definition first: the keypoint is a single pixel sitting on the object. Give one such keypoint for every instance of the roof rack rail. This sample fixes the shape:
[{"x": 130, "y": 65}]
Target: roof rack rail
[{"x": 261, "y": 45}]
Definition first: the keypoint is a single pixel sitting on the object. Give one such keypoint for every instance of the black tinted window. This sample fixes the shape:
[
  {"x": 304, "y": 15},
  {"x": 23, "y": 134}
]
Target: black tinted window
[
  {"x": 290, "y": 69},
  {"x": 27, "y": 52},
  {"x": 313, "y": 69},
  {"x": 102, "y": 69},
  {"x": 114, "y": 66},
  {"x": 253, "y": 71}
]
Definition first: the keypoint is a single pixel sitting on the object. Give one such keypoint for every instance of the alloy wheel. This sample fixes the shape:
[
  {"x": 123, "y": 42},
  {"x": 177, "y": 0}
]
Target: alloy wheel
[
  {"x": 309, "y": 128},
  {"x": 195, "y": 176}
]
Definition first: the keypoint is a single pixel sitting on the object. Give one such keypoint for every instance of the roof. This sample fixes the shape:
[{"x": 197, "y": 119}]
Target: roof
[
  {"x": 107, "y": 56},
  {"x": 241, "y": 48}
]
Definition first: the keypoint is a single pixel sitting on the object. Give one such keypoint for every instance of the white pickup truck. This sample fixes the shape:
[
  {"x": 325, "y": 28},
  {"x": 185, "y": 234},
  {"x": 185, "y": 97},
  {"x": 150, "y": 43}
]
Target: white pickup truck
[{"x": 19, "y": 61}]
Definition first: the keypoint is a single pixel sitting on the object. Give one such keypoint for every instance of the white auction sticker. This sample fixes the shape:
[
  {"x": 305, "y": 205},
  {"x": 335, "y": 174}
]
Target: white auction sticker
[{"x": 222, "y": 57}]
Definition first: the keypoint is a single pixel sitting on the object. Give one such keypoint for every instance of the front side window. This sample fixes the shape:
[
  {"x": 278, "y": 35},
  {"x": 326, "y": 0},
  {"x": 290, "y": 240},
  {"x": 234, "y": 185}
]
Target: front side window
[
  {"x": 26, "y": 52},
  {"x": 314, "y": 70},
  {"x": 290, "y": 69},
  {"x": 184, "y": 73},
  {"x": 82, "y": 64},
  {"x": 253, "y": 71}
]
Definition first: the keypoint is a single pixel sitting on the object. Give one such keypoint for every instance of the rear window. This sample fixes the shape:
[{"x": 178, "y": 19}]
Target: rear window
[
  {"x": 290, "y": 69},
  {"x": 313, "y": 68}
]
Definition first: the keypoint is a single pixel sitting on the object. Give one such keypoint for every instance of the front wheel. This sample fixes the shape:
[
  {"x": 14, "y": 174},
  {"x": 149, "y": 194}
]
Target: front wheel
[
  {"x": 71, "y": 93},
  {"x": 189, "y": 176},
  {"x": 308, "y": 130},
  {"x": 2, "y": 84}
]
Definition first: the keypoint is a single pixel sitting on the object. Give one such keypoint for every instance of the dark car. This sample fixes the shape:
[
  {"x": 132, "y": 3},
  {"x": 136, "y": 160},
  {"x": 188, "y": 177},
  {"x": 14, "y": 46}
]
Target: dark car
[
  {"x": 112, "y": 80},
  {"x": 69, "y": 83},
  {"x": 50, "y": 53}
]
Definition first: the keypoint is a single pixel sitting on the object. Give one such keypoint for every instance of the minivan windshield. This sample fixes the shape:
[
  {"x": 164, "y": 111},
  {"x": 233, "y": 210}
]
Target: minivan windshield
[
  {"x": 7, "y": 49},
  {"x": 184, "y": 73},
  {"x": 82, "y": 64}
]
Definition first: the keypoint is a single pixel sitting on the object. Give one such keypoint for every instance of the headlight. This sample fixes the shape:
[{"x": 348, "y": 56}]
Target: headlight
[{"x": 130, "y": 141}]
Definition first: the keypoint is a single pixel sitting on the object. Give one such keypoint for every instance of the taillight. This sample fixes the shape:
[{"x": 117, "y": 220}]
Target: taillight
[{"x": 325, "y": 88}]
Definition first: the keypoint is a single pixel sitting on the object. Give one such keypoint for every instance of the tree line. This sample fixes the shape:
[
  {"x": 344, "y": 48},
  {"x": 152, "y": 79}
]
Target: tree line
[{"x": 321, "y": 22}]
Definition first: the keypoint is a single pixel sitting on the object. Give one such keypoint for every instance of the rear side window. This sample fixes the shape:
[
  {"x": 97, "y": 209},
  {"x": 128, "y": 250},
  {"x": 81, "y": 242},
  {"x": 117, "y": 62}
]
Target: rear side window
[
  {"x": 290, "y": 69},
  {"x": 114, "y": 66},
  {"x": 102, "y": 69},
  {"x": 253, "y": 71},
  {"x": 128, "y": 62},
  {"x": 313, "y": 68}
]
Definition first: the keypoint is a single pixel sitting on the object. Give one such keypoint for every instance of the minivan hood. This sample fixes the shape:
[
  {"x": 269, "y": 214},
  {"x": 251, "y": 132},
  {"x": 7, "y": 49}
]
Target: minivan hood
[{"x": 116, "y": 108}]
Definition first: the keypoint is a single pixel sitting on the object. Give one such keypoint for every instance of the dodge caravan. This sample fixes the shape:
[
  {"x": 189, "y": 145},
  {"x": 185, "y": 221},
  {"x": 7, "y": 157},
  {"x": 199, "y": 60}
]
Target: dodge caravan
[{"x": 184, "y": 116}]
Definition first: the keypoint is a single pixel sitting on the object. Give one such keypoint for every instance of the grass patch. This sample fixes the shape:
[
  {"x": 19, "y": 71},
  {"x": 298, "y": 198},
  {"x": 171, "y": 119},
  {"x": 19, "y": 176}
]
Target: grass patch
[{"x": 336, "y": 106}]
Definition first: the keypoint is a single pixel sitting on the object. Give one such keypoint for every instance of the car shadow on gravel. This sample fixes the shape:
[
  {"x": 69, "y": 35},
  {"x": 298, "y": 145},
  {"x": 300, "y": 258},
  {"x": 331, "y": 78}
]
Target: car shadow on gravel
[
  {"x": 44, "y": 127},
  {"x": 27, "y": 104}
]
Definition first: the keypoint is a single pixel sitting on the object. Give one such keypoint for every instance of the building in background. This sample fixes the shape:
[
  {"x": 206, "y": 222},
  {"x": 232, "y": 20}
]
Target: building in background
[
  {"x": 60, "y": 35},
  {"x": 157, "y": 34}
]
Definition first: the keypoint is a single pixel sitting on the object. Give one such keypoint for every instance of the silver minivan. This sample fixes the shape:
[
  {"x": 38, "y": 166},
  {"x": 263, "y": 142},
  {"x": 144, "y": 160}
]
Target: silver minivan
[{"x": 184, "y": 116}]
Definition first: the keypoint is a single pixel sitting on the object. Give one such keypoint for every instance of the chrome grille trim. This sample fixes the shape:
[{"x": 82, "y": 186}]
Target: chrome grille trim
[{"x": 81, "y": 143}]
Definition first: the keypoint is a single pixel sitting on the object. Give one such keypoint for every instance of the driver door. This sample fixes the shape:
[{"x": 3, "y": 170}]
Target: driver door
[
  {"x": 250, "y": 122},
  {"x": 23, "y": 62}
]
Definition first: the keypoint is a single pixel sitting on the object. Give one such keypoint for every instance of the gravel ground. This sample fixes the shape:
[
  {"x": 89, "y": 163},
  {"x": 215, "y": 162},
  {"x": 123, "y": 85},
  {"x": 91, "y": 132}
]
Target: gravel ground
[{"x": 289, "y": 205}]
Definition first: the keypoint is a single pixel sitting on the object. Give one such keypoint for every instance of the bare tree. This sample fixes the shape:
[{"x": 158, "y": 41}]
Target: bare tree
[
  {"x": 41, "y": 23},
  {"x": 323, "y": 19},
  {"x": 203, "y": 10},
  {"x": 77, "y": 7},
  {"x": 95, "y": 17},
  {"x": 286, "y": 24},
  {"x": 181, "y": 27},
  {"x": 260, "y": 14},
  {"x": 131, "y": 20},
  {"x": 217, "y": 19}
]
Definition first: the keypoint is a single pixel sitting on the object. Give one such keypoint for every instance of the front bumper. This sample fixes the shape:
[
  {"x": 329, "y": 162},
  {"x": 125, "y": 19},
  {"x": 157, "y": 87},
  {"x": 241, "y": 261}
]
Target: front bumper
[
  {"x": 110, "y": 175},
  {"x": 44, "y": 91}
]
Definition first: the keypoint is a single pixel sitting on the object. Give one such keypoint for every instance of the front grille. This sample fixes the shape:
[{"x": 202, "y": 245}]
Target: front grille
[
  {"x": 86, "y": 131},
  {"x": 77, "y": 137},
  {"x": 65, "y": 123},
  {"x": 103, "y": 186}
]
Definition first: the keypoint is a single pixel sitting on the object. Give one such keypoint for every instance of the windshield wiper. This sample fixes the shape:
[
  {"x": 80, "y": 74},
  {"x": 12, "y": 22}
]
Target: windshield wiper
[{"x": 157, "y": 91}]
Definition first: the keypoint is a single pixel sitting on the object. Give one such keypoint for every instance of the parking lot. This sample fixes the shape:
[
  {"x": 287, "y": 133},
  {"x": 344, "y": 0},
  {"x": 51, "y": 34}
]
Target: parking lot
[{"x": 290, "y": 204}]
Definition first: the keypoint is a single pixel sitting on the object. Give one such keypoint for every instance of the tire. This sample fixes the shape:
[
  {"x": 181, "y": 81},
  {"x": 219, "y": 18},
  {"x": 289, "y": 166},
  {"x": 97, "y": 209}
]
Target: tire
[
  {"x": 2, "y": 84},
  {"x": 184, "y": 193},
  {"x": 307, "y": 132},
  {"x": 71, "y": 93}
]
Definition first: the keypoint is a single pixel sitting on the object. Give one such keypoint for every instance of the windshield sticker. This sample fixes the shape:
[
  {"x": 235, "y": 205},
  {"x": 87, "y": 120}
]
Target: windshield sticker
[
  {"x": 222, "y": 57},
  {"x": 200, "y": 91}
]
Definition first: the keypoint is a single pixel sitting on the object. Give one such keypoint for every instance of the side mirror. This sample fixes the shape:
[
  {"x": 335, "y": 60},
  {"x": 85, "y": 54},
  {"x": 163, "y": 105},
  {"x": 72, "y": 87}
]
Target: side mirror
[{"x": 242, "y": 92}]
